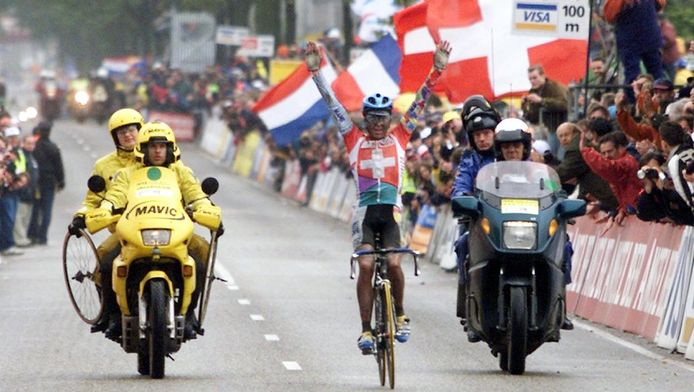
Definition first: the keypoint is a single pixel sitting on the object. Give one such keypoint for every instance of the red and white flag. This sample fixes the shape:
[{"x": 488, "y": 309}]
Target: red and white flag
[{"x": 488, "y": 56}]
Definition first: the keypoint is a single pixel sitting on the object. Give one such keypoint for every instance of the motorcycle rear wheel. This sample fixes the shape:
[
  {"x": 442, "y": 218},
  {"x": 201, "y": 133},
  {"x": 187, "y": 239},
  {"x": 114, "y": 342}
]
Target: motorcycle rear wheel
[
  {"x": 157, "y": 336},
  {"x": 80, "y": 271},
  {"x": 517, "y": 330}
]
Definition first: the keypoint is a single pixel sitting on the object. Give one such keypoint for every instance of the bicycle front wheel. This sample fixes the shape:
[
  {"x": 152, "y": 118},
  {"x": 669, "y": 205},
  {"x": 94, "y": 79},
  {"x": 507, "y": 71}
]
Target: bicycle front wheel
[
  {"x": 390, "y": 333},
  {"x": 380, "y": 332},
  {"x": 80, "y": 271}
]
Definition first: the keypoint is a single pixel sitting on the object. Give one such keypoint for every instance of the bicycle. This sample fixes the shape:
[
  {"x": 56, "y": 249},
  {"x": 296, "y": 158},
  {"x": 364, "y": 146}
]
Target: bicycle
[{"x": 384, "y": 308}]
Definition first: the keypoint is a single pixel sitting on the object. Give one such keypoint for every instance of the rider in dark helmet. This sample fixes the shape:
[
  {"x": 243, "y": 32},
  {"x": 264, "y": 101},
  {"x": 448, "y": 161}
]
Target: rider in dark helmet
[{"x": 479, "y": 121}]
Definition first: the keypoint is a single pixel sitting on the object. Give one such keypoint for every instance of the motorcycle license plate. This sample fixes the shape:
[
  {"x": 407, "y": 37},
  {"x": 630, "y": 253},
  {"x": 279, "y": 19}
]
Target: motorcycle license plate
[{"x": 520, "y": 206}]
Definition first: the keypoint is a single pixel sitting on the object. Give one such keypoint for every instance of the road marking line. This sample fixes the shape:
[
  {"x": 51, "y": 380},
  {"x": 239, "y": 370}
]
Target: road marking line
[
  {"x": 291, "y": 365},
  {"x": 86, "y": 148},
  {"x": 224, "y": 273},
  {"x": 272, "y": 338},
  {"x": 257, "y": 317},
  {"x": 244, "y": 301},
  {"x": 631, "y": 346}
]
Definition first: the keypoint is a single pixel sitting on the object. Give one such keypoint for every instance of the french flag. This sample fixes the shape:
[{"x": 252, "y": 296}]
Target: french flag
[
  {"x": 294, "y": 105},
  {"x": 377, "y": 70}
]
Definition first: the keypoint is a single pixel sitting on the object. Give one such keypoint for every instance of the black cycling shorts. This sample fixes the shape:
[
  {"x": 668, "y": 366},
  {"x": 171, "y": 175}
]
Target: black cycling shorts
[{"x": 375, "y": 219}]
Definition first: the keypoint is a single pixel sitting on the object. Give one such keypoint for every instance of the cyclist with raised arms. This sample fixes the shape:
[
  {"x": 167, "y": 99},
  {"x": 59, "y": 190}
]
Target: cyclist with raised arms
[{"x": 377, "y": 159}]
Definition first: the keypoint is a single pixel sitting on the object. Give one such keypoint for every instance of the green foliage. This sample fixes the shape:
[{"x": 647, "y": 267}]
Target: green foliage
[{"x": 681, "y": 14}]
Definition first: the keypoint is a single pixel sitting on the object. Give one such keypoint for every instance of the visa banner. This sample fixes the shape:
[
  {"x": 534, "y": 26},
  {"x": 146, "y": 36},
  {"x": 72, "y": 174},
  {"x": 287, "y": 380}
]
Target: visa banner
[{"x": 553, "y": 18}]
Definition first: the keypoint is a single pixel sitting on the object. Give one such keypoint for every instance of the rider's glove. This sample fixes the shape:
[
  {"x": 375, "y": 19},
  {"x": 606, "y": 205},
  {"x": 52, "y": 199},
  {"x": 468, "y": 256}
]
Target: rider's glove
[
  {"x": 77, "y": 224},
  {"x": 220, "y": 230}
]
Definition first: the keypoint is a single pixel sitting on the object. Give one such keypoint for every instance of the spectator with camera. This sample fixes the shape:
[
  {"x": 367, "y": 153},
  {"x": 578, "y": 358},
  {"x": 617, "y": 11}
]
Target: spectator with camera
[
  {"x": 659, "y": 201},
  {"x": 546, "y": 104},
  {"x": 677, "y": 145},
  {"x": 618, "y": 168},
  {"x": 15, "y": 178}
]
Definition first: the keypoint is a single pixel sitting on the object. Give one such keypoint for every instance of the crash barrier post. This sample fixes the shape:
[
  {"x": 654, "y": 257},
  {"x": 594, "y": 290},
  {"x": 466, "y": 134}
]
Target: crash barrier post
[
  {"x": 243, "y": 161},
  {"x": 440, "y": 250},
  {"x": 215, "y": 135},
  {"x": 182, "y": 124},
  {"x": 423, "y": 229},
  {"x": 628, "y": 277}
]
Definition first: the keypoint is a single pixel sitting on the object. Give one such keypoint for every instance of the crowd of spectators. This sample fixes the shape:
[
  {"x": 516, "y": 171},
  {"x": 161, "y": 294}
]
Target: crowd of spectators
[
  {"x": 31, "y": 171},
  {"x": 609, "y": 155}
]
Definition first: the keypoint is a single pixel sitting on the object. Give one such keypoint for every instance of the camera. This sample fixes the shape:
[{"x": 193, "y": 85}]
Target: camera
[
  {"x": 690, "y": 167},
  {"x": 650, "y": 173}
]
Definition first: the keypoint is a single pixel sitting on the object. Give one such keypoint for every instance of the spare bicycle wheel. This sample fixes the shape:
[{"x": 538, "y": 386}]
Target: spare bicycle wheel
[{"x": 80, "y": 269}]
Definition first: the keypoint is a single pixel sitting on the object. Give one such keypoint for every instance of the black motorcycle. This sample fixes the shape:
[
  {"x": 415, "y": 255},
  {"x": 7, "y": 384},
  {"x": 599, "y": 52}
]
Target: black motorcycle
[{"x": 514, "y": 294}]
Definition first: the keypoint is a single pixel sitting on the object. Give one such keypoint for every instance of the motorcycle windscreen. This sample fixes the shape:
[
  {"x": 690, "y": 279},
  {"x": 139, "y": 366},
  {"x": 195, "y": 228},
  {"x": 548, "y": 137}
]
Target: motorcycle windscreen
[{"x": 518, "y": 179}]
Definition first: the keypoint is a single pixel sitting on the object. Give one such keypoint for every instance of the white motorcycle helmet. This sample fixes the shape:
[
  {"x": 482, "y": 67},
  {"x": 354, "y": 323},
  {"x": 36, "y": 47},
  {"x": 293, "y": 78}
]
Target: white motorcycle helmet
[{"x": 513, "y": 130}]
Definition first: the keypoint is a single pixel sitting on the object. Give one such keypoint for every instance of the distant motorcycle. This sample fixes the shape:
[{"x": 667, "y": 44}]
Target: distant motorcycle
[
  {"x": 50, "y": 100},
  {"x": 514, "y": 295},
  {"x": 101, "y": 103},
  {"x": 79, "y": 105}
]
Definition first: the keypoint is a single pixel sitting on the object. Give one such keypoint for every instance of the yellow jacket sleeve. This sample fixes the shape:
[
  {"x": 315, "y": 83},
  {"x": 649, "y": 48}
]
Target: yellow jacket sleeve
[
  {"x": 190, "y": 187},
  {"x": 118, "y": 192}
]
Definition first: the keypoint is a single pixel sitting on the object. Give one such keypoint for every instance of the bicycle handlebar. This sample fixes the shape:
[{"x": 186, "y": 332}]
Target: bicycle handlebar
[{"x": 382, "y": 252}]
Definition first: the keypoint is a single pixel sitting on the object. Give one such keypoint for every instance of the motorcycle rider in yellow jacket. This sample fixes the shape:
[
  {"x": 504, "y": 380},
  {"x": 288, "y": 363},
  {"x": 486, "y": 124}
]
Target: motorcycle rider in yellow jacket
[
  {"x": 156, "y": 146},
  {"x": 123, "y": 126}
]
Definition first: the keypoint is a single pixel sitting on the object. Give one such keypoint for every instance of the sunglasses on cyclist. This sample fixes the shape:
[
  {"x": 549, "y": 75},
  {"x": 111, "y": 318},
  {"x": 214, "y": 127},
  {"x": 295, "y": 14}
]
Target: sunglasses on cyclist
[{"x": 377, "y": 118}]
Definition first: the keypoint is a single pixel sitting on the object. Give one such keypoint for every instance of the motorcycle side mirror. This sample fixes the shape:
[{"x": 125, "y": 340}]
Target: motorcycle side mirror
[
  {"x": 210, "y": 185},
  {"x": 96, "y": 184},
  {"x": 465, "y": 206},
  {"x": 571, "y": 208}
]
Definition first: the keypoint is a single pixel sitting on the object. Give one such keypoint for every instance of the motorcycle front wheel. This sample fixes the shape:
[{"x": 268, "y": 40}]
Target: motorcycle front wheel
[
  {"x": 157, "y": 337},
  {"x": 517, "y": 330}
]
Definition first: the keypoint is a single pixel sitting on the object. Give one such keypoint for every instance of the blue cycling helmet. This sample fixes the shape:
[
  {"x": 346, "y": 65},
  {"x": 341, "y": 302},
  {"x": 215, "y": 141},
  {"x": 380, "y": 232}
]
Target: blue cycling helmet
[{"x": 377, "y": 104}]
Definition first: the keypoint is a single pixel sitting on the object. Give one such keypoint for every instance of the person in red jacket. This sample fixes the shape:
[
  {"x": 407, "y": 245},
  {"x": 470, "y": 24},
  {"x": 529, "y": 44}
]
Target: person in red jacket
[{"x": 618, "y": 168}]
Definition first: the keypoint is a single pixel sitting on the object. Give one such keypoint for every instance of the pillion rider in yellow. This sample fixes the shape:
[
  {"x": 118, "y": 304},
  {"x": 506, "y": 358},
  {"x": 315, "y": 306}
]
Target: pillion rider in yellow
[
  {"x": 123, "y": 126},
  {"x": 156, "y": 146}
]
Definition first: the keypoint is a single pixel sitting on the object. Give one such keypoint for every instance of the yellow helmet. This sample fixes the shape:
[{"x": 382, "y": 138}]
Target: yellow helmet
[
  {"x": 124, "y": 117},
  {"x": 156, "y": 131}
]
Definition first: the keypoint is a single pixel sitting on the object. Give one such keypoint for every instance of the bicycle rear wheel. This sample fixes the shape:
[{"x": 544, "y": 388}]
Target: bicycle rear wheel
[
  {"x": 390, "y": 332},
  {"x": 80, "y": 271},
  {"x": 380, "y": 316}
]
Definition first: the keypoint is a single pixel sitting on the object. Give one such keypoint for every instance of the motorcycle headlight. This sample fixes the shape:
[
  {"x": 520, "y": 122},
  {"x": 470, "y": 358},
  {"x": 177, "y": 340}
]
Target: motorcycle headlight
[
  {"x": 520, "y": 234},
  {"x": 82, "y": 97},
  {"x": 156, "y": 237}
]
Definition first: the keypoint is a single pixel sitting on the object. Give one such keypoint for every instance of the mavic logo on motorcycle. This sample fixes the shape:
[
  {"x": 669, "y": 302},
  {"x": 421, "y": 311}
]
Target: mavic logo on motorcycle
[
  {"x": 154, "y": 209},
  {"x": 165, "y": 210}
]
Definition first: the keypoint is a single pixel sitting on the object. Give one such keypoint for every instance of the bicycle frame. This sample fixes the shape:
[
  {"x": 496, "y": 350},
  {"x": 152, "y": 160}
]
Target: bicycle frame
[{"x": 383, "y": 307}]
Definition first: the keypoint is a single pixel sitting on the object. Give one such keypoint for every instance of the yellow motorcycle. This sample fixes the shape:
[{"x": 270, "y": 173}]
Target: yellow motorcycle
[{"x": 154, "y": 278}]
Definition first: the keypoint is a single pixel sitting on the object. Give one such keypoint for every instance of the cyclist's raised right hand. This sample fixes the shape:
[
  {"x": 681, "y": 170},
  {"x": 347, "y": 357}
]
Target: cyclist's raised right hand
[{"x": 312, "y": 56}]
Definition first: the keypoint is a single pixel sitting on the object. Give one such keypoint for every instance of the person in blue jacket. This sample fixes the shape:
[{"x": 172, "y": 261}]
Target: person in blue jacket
[{"x": 479, "y": 122}]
